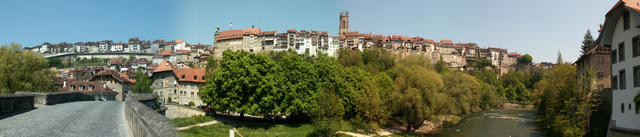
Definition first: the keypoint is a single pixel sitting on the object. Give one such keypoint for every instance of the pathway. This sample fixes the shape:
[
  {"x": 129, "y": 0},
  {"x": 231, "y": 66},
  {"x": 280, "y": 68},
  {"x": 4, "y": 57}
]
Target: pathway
[
  {"x": 81, "y": 119},
  {"x": 198, "y": 125}
]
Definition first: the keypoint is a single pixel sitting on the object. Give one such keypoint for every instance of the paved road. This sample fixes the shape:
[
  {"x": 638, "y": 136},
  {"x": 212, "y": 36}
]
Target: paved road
[{"x": 81, "y": 119}]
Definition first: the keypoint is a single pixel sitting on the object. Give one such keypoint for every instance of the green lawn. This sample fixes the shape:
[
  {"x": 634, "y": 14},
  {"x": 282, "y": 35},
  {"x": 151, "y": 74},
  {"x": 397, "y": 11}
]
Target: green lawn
[
  {"x": 251, "y": 128},
  {"x": 248, "y": 128},
  {"x": 180, "y": 122}
]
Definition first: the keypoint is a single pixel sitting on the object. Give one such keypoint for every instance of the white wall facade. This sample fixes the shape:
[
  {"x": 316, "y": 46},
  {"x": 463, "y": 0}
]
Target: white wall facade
[{"x": 623, "y": 98}]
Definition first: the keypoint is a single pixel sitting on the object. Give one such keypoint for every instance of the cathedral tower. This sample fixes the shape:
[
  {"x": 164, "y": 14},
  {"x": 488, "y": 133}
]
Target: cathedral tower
[{"x": 344, "y": 23}]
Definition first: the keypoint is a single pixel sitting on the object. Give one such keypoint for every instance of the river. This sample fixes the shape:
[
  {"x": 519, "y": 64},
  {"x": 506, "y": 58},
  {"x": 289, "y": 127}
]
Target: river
[{"x": 495, "y": 123}]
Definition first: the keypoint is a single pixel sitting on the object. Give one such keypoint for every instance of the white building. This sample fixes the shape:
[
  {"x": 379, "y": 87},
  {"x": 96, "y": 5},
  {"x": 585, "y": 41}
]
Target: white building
[
  {"x": 620, "y": 32},
  {"x": 117, "y": 48},
  {"x": 181, "y": 45}
]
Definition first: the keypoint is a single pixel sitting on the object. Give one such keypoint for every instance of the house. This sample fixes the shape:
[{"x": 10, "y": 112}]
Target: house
[
  {"x": 596, "y": 60},
  {"x": 96, "y": 89},
  {"x": 621, "y": 34},
  {"x": 116, "y": 81},
  {"x": 178, "y": 85}
]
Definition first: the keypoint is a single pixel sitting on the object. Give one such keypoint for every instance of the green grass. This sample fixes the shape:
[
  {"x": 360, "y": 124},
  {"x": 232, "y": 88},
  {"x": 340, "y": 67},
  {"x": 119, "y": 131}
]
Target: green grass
[
  {"x": 250, "y": 128},
  {"x": 255, "y": 129},
  {"x": 215, "y": 130},
  {"x": 277, "y": 130},
  {"x": 180, "y": 122}
]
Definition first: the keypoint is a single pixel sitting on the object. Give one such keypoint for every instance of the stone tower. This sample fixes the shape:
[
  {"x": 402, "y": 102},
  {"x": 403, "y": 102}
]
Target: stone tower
[{"x": 344, "y": 23}]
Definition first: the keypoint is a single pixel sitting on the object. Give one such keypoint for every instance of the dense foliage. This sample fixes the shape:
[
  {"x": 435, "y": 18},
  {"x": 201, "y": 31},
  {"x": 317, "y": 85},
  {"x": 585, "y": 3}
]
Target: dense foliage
[
  {"x": 369, "y": 88},
  {"x": 23, "y": 70},
  {"x": 563, "y": 103},
  {"x": 143, "y": 83}
]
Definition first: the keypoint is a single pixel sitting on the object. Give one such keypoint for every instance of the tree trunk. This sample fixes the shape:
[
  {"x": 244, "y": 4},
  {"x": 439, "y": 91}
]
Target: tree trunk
[
  {"x": 241, "y": 115},
  {"x": 408, "y": 127}
]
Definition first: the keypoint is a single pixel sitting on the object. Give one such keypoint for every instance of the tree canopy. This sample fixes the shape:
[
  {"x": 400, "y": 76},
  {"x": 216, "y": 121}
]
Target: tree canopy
[
  {"x": 143, "y": 83},
  {"x": 23, "y": 70}
]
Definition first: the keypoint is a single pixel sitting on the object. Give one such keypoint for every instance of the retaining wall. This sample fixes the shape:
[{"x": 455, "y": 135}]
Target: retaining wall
[
  {"x": 144, "y": 121},
  {"x": 176, "y": 111}
]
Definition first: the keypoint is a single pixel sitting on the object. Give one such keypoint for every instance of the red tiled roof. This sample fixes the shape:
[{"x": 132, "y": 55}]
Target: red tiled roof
[
  {"x": 97, "y": 87},
  {"x": 166, "y": 53},
  {"x": 122, "y": 77},
  {"x": 633, "y": 4},
  {"x": 291, "y": 30},
  {"x": 232, "y": 34},
  {"x": 164, "y": 66},
  {"x": 116, "y": 61},
  {"x": 190, "y": 74},
  {"x": 268, "y": 33},
  {"x": 183, "y": 51}
]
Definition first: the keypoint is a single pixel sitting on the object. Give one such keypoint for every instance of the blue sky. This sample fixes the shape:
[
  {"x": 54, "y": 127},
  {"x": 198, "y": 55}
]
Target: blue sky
[{"x": 539, "y": 27}]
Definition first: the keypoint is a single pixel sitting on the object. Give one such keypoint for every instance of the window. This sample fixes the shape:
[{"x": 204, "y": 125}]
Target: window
[
  {"x": 614, "y": 82},
  {"x": 191, "y": 94},
  {"x": 635, "y": 46},
  {"x": 636, "y": 76},
  {"x": 621, "y": 51},
  {"x": 182, "y": 76},
  {"x": 600, "y": 75},
  {"x": 626, "y": 19},
  {"x": 175, "y": 92},
  {"x": 90, "y": 87},
  {"x": 623, "y": 79},
  {"x": 614, "y": 56},
  {"x": 72, "y": 87},
  {"x": 195, "y": 77},
  {"x": 203, "y": 78},
  {"x": 622, "y": 108}
]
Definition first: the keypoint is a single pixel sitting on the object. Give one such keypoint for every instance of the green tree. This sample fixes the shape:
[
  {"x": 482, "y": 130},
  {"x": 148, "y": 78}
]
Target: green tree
[
  {"x": 440, "y": 66},
  {"x": 465, "y": 89},
  {"x": 482, "y": 64},
  {"x": 327, "y": 112},
  {"x": 298, "y": 78},
  {"x": 143, "y": 83},
  {"x": 55, "y": 62},
  {"x": 348, "y": 57},
  {"x": 191, "y": 65},
  {"x": 132, "y": 57},
  {"x": 377, "y": 60},
  {"x": 525, "y": 59},
  {"x": 563, "y": 103},
  {"x": 587, "y": 42},
  {"x": 243, "y": 83},
  {"x": 23, "y": 70},
  {"x": 416, "y": 96}
]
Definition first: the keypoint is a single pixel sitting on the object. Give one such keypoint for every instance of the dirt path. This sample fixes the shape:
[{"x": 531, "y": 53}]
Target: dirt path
[{"x": 198, "y": 125}]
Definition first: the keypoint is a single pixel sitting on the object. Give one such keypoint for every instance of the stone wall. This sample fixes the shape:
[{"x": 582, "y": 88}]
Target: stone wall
[
  {"x": 12, "y": 103},
  {"x": 57, "y": 97},
  {"x": 175, "y": 111},
  {"x": 144, "y": 121}
]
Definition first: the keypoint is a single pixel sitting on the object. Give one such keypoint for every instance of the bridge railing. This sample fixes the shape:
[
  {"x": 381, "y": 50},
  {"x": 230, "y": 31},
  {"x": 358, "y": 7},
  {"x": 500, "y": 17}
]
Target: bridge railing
[
  {"x": 56, "y": 97},
  {"x": 143, "y": 120},
  {"x": 12, "y": 103}
]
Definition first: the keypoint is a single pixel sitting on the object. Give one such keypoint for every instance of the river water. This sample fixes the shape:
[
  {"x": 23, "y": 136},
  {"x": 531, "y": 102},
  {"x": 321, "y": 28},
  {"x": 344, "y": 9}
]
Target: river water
[{"x": 495, "y": 123}]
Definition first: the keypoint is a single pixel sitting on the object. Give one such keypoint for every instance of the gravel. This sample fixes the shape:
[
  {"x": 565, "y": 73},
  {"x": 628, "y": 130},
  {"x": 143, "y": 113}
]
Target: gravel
[{"x": 81, "y": 119}]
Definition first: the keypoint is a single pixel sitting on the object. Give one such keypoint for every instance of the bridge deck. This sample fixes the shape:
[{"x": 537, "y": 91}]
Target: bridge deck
[{"x": 84, "y": 118}]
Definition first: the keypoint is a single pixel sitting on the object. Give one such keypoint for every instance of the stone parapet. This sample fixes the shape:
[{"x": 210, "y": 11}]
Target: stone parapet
[
  {"x": 56, "y": 97},
  {"x": 144, "y": 121},
  {"x": 12, "y": 103}
]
